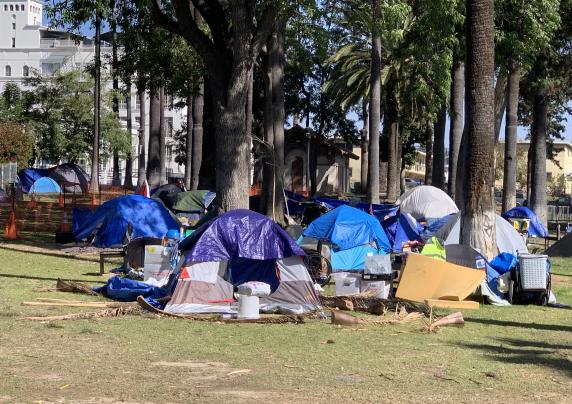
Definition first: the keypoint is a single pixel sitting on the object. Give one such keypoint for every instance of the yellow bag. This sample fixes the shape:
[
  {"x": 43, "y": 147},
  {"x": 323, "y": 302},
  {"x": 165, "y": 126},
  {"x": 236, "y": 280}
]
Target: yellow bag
[{"x": 434, "y": 249}]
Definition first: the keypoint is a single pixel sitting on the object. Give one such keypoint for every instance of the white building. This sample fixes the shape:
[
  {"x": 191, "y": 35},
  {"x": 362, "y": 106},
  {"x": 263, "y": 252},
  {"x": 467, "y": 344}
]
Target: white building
[{"x": 26, "y": 44}]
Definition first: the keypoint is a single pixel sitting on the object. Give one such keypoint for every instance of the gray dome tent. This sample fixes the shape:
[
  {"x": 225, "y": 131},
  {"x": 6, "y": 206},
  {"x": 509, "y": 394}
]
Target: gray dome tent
[{"x": 508, "y": 239}]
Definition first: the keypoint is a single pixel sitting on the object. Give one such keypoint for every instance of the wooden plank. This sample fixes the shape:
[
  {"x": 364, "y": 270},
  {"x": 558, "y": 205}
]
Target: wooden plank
[{"x": 450, "y": 304}]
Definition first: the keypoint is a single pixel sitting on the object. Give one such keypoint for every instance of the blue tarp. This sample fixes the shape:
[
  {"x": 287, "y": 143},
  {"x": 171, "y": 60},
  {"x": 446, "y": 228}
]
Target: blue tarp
[
  {"x": 127, "y": 290},
  {"x": 400, "y": 229},
  {"x": 535, "y": 226},
  {"x": 147, "y": 217},
  {"x": 28, "y": 176},
  {"x": 348, "y": 227},
  {"x": 239, "y": 233},
  {"x": 352, "y": 259},
  {"x": 80, "y": 217},
  {"x": 45, "y": 185}
]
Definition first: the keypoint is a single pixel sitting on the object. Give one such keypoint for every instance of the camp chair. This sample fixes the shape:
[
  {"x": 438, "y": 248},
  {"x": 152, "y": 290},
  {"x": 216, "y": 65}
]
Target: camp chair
[{"x": 318, "y": 262}]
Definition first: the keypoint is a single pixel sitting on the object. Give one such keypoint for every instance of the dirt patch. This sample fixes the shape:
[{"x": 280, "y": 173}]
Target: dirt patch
[{"x": 194, "y": 365}]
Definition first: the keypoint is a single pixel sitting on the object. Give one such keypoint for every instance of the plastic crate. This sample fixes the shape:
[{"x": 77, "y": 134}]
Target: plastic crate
[{"x": 532, "y": 270}]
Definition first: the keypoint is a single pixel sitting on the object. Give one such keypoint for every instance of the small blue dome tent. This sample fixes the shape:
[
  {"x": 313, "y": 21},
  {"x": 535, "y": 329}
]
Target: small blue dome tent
[
  {"x": 109, "y": 222},
  {"x": 535, "y": 226},
  {"x": 401, "y": 228},
  {"x": 45, "y": 185},
  {"x": 28, "y": 176},
  {"x": 353, "y": 233}
]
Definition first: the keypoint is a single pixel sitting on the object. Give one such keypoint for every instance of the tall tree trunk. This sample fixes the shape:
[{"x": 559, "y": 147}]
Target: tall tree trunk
[
  {"x": 510, "y": 137},
  {"x": 94, "y": 181},
  {"x": 364, "y": 147},
  {"x": 529, "y": 159},
  {"x": 374, "y": 111},
  {"x": 116, "y": 177},
  {"x": 277, "y": 67},
  {"x": 438, "y": 175},
  {"x": 456, "y": 125},
  {"x": 538, "y": 163},
  {"x": 189, "y": 140},
  {"x": 393, "y": 163},
  {"x": 268, "y": 187},
  {"x": 198, "y": 118},
  {"x": 128, "y": 180},
  {"x": 154, "y": 148},
  {"x": 429, "y": 154},
  {"x": 162, "y": 138},
  {"x": 141, "y": 163},
  {"x": 477, "y": 211},
  {"x": 500, "y": 103}
]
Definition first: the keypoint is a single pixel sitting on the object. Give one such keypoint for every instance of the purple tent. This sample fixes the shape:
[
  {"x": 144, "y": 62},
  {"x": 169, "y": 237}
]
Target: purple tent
[{"x": 239, "y": 233}]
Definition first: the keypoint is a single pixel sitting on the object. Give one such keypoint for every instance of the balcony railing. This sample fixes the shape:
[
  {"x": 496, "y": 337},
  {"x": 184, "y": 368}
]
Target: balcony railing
[{"x": 67, "y": 43}]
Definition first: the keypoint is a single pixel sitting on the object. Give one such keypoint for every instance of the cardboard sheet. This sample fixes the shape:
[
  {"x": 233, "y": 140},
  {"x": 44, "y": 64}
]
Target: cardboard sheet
[
  {"x": 427, "y": 278},
  {"x": 448, "y": 304}
]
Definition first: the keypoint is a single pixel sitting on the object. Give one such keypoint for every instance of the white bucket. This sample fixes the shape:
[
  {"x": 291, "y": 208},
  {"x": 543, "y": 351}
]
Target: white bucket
[{"x": 248, "y": 307}]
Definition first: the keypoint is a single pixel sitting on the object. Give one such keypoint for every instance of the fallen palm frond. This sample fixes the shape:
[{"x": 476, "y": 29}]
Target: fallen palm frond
[
  {"x": 109, "y": 305},
  {"x": 74, "y": 287},
  {"x": 115, "y": 312},
  {"x": 455, "y": 319},
  {"x": 368, "y": 303}
]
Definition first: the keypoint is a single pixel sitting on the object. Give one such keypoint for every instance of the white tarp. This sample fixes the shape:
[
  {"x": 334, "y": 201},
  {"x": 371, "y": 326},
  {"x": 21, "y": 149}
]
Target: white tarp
[
  {"x": 426, "y": 202},
  {"x": 508, "y": 239}
]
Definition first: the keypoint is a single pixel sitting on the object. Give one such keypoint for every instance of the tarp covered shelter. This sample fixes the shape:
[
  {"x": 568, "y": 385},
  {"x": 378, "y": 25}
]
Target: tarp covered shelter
[
  {"x": 353, "y": 233},
  {"x": 237, "y": 247},
  {"x": 71, "y": 177},
  {"x": 45, "y": 185},
  {"x": 401, "y": 228},
  {"x": 535, "y": 226},
  {"x": 562, "y": 248},
  {"x": 426, "y": 202},
  {"x": 508, "y": 239},
  {"x": 28, "y": 176},
  {"x": 110, "y": 221},
  {"x": 190, "y": 201}
]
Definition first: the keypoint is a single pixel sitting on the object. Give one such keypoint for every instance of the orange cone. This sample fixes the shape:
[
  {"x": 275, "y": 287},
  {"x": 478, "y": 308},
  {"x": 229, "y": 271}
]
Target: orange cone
[
  {"x": 61, "y": 200},
  {"x": 33, "y": 204},
  {"x": 11, "y": 232},
  {"x": 93, "y": 200}
]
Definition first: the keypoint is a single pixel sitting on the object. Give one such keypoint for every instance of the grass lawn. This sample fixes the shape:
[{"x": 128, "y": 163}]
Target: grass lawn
[{"x": 516, "y": 354}]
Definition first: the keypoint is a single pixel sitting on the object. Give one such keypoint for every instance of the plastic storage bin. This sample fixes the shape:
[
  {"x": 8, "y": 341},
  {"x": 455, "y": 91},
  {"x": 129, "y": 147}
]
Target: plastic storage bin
[
  {"x": 377, "y": 265},
  {"x": 532, "y": 269},
  {"x": 348, "y": 285}
]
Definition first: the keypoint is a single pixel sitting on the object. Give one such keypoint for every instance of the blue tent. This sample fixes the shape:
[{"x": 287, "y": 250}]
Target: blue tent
[
  {"x": 535, "y": 226},
  {"x": 400, "y": 229},
  {"x": 45, "y": 185},
  {"x": 147, "y": 217},
  {"x": 354, "y": 234},
  {"x": 28, "y": 176}
]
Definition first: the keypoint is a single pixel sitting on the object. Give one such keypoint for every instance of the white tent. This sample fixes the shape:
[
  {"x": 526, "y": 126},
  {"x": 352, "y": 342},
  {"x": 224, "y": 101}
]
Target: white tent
[
  {"x": 508, "y": 239},
  {"x": 426, "y": 202}
]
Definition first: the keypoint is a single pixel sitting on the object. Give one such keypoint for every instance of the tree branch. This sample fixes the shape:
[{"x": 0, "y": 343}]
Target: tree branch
[
  {"x": 264, "y": 29},
  {"x": 214, "y": 15},
  {"x": 162, "y": 19}
]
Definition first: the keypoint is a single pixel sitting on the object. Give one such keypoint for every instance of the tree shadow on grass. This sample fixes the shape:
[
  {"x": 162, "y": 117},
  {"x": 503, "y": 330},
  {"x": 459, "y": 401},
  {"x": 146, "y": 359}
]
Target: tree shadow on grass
[
  {"x": 559, "y": 274},
  {"x": 41, "y": 278},
  {"x": 536, "y": 326},
  {"x": 518, "y": 352},
  {"x": 54, "y": 254}
]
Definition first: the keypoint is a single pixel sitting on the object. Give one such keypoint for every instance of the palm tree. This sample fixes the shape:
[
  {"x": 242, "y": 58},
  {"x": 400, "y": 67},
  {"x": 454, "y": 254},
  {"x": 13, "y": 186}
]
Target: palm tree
[
  {"x": 374, "y": 109},
  {"x": 456, "y": 127},
  {"x": 477, "y": 211}
]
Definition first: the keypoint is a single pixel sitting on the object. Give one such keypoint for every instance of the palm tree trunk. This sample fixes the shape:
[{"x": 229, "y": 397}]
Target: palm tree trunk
[
  {"x": 374, "y": 111},
  {"x": 116, "y": 177},
  {"x": 429, "y": 154},
  {"x": 94, "y": 181},
  {"x": 438, "y": 175},
  {"x": 393, "y": 165},
  {"x": 477, "y": 211},
  {"x": 141, "y": 163},
  {"x": 153, "y": 154},
  {"x": 538, "y": 162},
  {"x": 162, "y": 138},
  {"x": 500, "y": 103},
  {"x": 510, "y": 137},
  {"x": 189, "y": 140},
  {"x": 268, "y": 187},
  {"x": 456, "y": 124},
  {"x": 198, "y": 117},
  {"x": 364, "y": 147},
  {"x": 128, "y": 180}
]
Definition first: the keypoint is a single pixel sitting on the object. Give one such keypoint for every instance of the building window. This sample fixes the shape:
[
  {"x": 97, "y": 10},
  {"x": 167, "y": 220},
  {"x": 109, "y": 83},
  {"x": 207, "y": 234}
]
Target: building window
[
  {"x": 49, "y": 69},
  {"x": 169, "y": 152},
  {"x": 13, "y": 42},
  {"x": 14, "y": 25},
  {"x": 25, "y": 71},
  {"x": 122, "y": 103},
  {"x": 137, "y": 102},
  {"x": 8, "y": 71},
  {"x": 11, "y": 7},
  {"x": 22, "y": 7},
  {"x": 5, "y": 7},
  {"x": 169, "y": 126},
  {"x": 17, "y": 7}
]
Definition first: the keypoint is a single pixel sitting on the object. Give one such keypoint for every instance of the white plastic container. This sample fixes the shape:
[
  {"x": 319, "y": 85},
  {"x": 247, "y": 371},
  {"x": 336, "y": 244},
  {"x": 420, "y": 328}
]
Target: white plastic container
[
  {"x": 381, "y": 287},
  {"x": 377, "y": 264},
  {"x": 248, "y": 307},
  {"x": 348, "y": 285}
]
